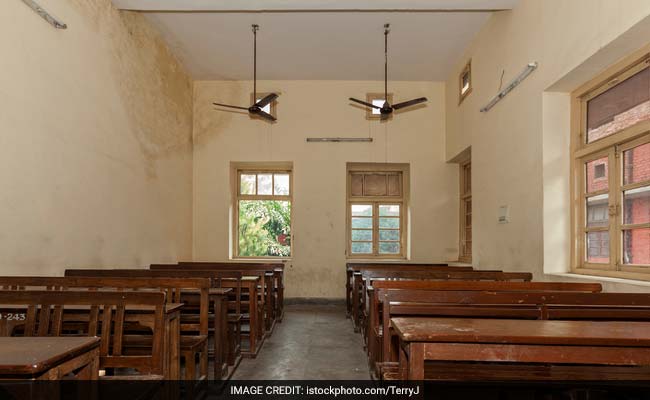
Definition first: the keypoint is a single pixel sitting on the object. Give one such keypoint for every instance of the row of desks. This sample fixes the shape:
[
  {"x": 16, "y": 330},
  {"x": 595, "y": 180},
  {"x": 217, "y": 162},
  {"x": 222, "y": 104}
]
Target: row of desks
[{"x": 498, "y": 330}]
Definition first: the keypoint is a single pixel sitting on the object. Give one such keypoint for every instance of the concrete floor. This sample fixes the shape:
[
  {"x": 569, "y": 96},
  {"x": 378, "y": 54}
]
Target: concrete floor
[{"x": 312, "y": 342}]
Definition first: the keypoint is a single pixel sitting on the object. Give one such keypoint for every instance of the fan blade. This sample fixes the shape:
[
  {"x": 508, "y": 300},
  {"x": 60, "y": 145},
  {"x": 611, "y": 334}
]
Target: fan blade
[
  {"x": 364, "y": 103},
  {"x": 409, "y": 103},
  {"x": 266, "y": 100},
  {"x": 229, "y": 106},
  {"x": 265, "y": 115}
]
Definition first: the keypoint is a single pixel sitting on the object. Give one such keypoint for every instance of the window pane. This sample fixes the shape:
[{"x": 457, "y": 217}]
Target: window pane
[
  {"x": 598, "y": 247},
  {"x": 465, "y": 83},
  {"x": 361, "y": 236},
  {"x": 636, "y": 246},
  {"x": 388, "y": 235},
  {"x": 264, "y": 228},
  {"x": 636, "y": 163},
  {"x": 388, "y": 247},
  {"x": 281, "y": 184},
  {"x": 597, "y": 175},
  {"x": 247, "y": 184},
  {"x": 361, "y": 248},
  {"x": 389, "y": 210},
  {"x": 362, "y": 210},
  {"x": 264, "y": 184},
  {"x": 378, "y": 103},
  {"x": 619, "y": 107},
  {"x": 266, "y": 108},
  {"x": 636, "y": 206},
  {"x": 391, "y": 223},
  {"x": 598, "y": 211},
  {"x": 362, "y": 223}
]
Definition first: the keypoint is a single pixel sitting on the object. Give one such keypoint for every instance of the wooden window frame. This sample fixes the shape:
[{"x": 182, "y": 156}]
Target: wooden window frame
[
  {"x": 243, "y": 168},
  {"x": 465, "y": 197},
  {"x": 377, "y": 96},
  {"x": 612, "y": 147},
  {"x": 466, "y": 70},
  {"x": 376, "y": 201}
]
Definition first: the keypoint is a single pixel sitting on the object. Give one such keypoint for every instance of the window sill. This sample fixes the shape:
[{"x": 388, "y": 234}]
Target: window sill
[
  {"x": 257, "y": 259},
  {"x": 379, "y": 259},
  {"x": 601, "y": 279}
]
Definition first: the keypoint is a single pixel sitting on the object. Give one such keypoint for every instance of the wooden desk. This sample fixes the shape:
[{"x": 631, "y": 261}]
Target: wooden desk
[
  {"x": 221, "y": 342},
  {"x": 256, "y": 320},
  {"x": 143, "y": 315},
  {"x": 49, "y": 358},
  {"x": 589, "y": 344}
]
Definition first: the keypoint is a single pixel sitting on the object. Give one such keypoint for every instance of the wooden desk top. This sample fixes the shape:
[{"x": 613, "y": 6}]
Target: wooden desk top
[
  {"x": 505, "y": 331},
  {"x": 35, "y": 355}
]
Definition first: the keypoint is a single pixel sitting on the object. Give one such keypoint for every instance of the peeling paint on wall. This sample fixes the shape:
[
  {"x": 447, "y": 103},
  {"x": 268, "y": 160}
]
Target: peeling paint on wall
[{"x": 96, "y": 149}]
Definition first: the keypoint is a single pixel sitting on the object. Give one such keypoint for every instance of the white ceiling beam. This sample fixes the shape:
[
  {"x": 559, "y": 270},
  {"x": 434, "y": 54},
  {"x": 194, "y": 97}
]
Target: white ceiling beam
[{"x": 314, "y": 5}]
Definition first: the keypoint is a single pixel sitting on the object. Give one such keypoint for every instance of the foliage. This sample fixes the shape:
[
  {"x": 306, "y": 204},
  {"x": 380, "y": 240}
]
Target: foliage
[{"x": 264, "y": 228}]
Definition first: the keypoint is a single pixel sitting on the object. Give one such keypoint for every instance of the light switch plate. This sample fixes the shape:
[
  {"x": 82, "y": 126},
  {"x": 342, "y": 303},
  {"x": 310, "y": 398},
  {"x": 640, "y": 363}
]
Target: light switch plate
[{"x": 504, "y": 214}]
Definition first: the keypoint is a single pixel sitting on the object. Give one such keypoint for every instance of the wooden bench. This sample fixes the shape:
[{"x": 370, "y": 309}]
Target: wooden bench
[
  {"x": 538, "y": 305},
  {"x": 108, "y": 315},
  {"x": 352, "y": 267},
  {"x": 249, "y": 284},
  {"x": 194, "y": 332},
  {"x": 376, "y": 293},
  {"x": 276, "y": 295},
  {"x": 360, "y": 292},
  {"x": 271, "y": 309}
]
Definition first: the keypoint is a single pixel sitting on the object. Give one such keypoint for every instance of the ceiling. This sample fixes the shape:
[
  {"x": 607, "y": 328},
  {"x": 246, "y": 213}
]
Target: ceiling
[{"x": 318, "y": 39}]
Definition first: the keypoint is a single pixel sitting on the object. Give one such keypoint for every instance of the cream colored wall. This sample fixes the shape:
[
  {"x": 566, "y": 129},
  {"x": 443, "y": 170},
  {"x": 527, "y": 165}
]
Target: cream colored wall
[
  {"x": 95, "y": 150},
  {"x": 317, "y": 266},
  {"x": 519, "y": 148}
]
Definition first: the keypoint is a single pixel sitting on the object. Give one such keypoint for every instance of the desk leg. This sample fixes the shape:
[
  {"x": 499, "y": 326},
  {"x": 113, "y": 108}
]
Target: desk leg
[
  {"x": 268, "y": 287},
  {"x": 277, "y": 288},
  {"x": 175, "y": 348},
  {"x": 415, "y": 363},
  {"x": 220, "y": 336},
  {"x": 355, "y": 303},
  {"x": 252, "y": 313},
  {"x": 348, "y": 290}
]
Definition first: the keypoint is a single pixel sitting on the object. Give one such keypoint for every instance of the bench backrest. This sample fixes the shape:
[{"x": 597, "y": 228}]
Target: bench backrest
[
  {"x": 102, "y": 314},
  {"x": 172, "y": 287},
  {"x": 487, "y": 285},
  {"x": 216, "y": 278},
  {"x": 451, "y": 275},
  {"x": 269, "y": 266}
]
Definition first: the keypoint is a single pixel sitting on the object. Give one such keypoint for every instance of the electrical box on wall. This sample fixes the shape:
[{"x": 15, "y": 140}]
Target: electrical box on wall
[{"x": 504, "y": 214}]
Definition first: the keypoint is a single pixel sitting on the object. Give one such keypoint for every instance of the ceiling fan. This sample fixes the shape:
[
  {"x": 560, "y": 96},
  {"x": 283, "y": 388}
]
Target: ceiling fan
[
  {"x": 256, "y": 108},
  {"x": 387, "y": 109}
]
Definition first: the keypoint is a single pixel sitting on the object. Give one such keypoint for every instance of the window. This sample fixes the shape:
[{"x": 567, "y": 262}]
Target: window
[
  {"x": 465, "y": 212},
  {"x": 465, "y": 82},
  {"x": 262, "y": 210},
  {"x": 377, "y": 204},
  {"x": 377, "y": 99},
  {"x": 270, "y": 108},
  {"x": 612, "y": 167}
]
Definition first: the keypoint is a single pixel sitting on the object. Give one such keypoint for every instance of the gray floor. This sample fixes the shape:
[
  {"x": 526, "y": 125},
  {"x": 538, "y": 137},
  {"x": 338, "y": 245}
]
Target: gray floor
[{"x": 312, "y": 342}]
